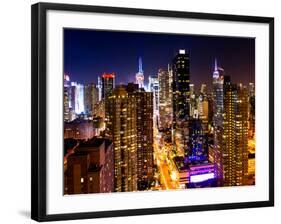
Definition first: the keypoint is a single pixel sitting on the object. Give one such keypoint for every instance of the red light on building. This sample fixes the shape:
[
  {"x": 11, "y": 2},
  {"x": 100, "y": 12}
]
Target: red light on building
[{"x": 108, "y": 75}]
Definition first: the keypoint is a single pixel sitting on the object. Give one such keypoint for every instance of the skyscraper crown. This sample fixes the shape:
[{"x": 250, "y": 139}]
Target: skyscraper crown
[{"x": 216, "y": 73}]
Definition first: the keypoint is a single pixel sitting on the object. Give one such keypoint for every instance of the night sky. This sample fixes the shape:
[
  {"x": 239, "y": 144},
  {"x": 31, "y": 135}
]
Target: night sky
[{"x": 89, "y": 53}]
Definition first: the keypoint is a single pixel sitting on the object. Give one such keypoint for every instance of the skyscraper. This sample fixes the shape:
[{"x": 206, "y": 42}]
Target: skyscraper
[
  {"x": 144, "y": 125},
  {"x": 122, "y": 124},
  {"x": 94, "y": 99},
  {"x": 131, "y": 125},
  {"x": 66, "y": 99},
  {"x": 91, "y": 96},
  {"x": 251, "y": 111},
  {"x": 153, "y": 86},
  {"x": 140, "y": 75},
  {"x": 230, "y": 131},
  {"x": 218, "y": 96},
  {"x": 165, "y": 99},
  {"x": 181, "y": 99},
  {"x": 99, "y": 86},
  {"x": 108, "y": 84},
  {"x": 198, "y": 142},
  {"x": 241, "y": 128},
  {"x": 77, "y": 97}
]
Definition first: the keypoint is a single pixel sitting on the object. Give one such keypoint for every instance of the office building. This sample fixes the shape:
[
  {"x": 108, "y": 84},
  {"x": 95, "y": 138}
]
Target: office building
[{"x": 181, "y": 100}]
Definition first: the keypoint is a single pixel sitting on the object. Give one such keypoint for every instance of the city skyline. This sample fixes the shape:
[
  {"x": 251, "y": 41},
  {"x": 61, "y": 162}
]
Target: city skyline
[
  {"x": 96, "y": 52},
  {"x": 169, "y": 130}
]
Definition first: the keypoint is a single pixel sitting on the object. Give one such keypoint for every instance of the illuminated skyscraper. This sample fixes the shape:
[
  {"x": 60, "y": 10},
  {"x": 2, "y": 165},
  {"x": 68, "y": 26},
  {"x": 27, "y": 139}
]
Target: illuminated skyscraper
[
  {"x": 241, "y": 129},
  {"x": 228, "y": 144},
  {"x": 251, "y": 111},
  {"x": 123, "y": 126},
  {"x": 90, "y": 99},
  {"x": 153, "y": 86},
  {"x": 218, "y": 96},
  {"x": 66, "y": 99},
  {"x": 165, "y": 99},
  {"x": 99, "y": 86},
  {"x": 181, "y": 99},
  {"x": 108, "y": 84},
  {"x": 144, "y": 124},
  {"x": 230, "y": 131},
  {"x": 77, "y": 97},
  {"x": 94, "y": 99},
  {"x": 140, "y": 75},
  {"x": 131, "y": 125},
  {"x": 193, "y": 104},
  {"x": 203, "y": 89},
  {"x": 198, "y": 142}
]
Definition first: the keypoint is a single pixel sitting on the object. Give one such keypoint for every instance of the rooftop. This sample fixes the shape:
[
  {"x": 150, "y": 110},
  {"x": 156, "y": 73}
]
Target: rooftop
[
  {"x": 179, "y": 162},
  {"x": 94, "y": 142}
]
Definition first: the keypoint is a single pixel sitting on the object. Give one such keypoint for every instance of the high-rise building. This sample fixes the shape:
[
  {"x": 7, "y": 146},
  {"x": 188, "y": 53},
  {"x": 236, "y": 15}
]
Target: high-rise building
[
  {"x": 203, "y": 89},
  {"x": 122, "y": 125},
  {"x": 241, "y": 128},
  {"x": 144, "y": 124},
  {"x": 153, "y": 86},
  {"x": 131, "y": 125},
  {"x": 140, "y": 75},
  {"x": 198, "y": 142},
  {"x": 165, "y": 99},
  {"x": 94, "y": 99},
  {"x": 181, "y": 99},
  {"x": 77, "y": 98},
  {"x": 193, "y": 104},
  {"x": 99, "y": 86},
  {"x": 228, "y": 143},
  {"x": 251, "y": 111},
  {"x": 66, "y": 109},
  {"x": 230, "y": 131},
  {"x": 90, "y": 99},
  {"x": 108, "y": 84},
  {"x": 218, "y": 98}
]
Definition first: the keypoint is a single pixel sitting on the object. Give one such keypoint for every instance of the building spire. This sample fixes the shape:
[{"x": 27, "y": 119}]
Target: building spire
[
  {"x": 216, "y": 65},
  {"x": 216, "y": 71},
  {"x": 140, "y": 65}
]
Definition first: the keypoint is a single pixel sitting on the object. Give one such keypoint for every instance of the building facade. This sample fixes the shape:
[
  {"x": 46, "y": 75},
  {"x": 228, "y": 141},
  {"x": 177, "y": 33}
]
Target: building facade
[{"x": 181, "y": 100}]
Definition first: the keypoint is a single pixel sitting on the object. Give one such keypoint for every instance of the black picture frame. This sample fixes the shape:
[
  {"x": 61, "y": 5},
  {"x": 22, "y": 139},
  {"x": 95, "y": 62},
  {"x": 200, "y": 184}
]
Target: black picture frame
[{"x": 38, "y": 109}]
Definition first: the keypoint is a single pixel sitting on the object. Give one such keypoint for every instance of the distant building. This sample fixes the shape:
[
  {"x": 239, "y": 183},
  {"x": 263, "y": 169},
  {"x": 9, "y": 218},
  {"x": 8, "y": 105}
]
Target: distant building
[
  {"x": 91, "y": 99},
  {"x": 153, "y": 86},
  {"x": 140, "y": 75},
  {"x": 165, "y": 99},
  {"x": 198, "y": 143},
  {"x": 79, "y": 129},
  {"x": 108, "y": 84},
  {"x": 77, "y": 97},
  {"x": 90, "y": 168}
]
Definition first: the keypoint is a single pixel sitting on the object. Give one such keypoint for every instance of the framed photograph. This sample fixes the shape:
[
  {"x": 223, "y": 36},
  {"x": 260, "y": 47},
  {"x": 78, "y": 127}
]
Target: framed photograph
[{"x": 139, "y": 111}]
